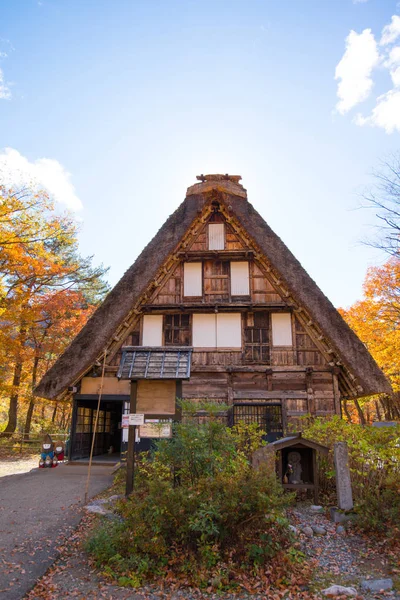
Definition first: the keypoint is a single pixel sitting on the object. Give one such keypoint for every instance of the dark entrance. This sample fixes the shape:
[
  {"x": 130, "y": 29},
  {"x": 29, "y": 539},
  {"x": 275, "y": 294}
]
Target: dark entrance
[
  {"x": 108, "y": 432},
  {"x": 268, "y": 416}
]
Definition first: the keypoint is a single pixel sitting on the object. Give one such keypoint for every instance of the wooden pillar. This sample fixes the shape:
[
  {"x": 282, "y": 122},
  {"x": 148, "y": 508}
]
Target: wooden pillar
[
  {"x": 73, "y": 429},
  {"x": 310, "y": 391},
  {"x": 316, "y": 478},
  {"x": 269, "y": 375},
  {"x": 230, "y": 389},
  {"x": 178, "y": 408},
  {"x": 130, "y": 458},
  {"x": 336, "y": 391}
]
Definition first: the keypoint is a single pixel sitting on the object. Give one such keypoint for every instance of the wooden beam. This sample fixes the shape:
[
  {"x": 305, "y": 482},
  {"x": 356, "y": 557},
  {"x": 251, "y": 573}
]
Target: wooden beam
[
  {"x": 336, "y": 392},
  {"x": 266, "y": 395}
]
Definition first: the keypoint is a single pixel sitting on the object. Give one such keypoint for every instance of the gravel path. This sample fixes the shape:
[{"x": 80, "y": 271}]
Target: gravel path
[
  {"x": 341, "y": 558},
  {"x": 39, "y": 511},
  {"x": 14, "y": 465}
]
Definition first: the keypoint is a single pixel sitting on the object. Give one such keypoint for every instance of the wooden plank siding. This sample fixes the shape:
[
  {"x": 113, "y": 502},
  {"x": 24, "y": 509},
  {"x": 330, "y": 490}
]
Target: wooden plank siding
[{"x": 296, "y": 376}]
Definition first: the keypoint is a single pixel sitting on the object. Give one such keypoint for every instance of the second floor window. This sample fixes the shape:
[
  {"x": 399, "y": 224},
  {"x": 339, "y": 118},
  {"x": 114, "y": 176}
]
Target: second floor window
[
  {"x": 177, "y": 330},
  {"x": 217, "y": 330}
]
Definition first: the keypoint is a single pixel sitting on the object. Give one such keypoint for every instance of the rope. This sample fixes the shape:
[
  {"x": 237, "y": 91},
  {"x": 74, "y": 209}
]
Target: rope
[{"x": 95, "y": 426}]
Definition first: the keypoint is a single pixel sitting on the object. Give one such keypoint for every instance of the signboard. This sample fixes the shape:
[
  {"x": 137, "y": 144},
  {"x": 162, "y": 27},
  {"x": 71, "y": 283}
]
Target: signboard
[
  {"x": 125, "y": 421},
  {"x": 136, "y": 419},
  {"x": 156, "y": 430}
]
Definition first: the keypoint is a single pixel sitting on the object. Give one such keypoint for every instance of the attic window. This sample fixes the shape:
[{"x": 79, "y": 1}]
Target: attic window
[
  {"x": 216, "y": 236},
  {"x": 281, "y": 329}
]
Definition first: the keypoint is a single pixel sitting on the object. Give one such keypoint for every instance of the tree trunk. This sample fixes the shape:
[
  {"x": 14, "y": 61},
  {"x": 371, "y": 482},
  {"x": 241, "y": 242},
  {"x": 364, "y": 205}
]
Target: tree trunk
[
  {"x": 31, "y": 406},
  {"x": 28, "y": 420},
  {"x": 53, "y": 418},
  {"x": 385, "y": 407},
  {"x": 13, "y": 409},
  {"x": 378, "y": 412},
  {"x": 360, "y": 412},
  {"x": 346, "y": 411}
]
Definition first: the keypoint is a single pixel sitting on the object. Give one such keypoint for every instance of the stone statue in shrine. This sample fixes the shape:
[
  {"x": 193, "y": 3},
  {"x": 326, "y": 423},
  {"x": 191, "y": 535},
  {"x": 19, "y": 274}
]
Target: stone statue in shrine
[{"x": 294, "y": 460}]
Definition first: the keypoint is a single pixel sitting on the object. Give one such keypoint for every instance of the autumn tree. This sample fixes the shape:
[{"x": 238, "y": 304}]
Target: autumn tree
[
  {"x": 43, "y": 279},
  {"x": 376, "y": 320}
]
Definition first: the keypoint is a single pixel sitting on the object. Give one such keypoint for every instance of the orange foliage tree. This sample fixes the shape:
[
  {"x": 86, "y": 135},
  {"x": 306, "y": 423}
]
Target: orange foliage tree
[
  {"x": 47, "y": 292},
  {"x": 376, "y": 320}
]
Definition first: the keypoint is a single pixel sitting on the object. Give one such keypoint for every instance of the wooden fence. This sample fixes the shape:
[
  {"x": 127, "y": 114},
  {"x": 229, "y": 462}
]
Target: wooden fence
[{"x": 32, "y": 441}]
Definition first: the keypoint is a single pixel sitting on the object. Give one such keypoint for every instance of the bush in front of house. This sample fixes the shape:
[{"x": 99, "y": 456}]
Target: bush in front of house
[
  {"x": 374, "y": 460},
  {"x": 199, "y": 513}
]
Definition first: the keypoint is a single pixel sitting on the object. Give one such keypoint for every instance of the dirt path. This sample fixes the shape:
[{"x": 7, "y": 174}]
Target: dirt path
[{"x": 39, "y": 510}]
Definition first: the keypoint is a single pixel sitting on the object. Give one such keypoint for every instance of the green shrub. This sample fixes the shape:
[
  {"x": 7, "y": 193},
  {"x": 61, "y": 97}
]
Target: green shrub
[
  {"x": 374, "y": 460},
  {"x": 198, "y": 510}
]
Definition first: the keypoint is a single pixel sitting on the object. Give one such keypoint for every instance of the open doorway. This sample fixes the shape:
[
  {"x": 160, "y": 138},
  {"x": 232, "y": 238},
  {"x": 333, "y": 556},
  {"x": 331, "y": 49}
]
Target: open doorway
[{"x": 107, "y": 443}]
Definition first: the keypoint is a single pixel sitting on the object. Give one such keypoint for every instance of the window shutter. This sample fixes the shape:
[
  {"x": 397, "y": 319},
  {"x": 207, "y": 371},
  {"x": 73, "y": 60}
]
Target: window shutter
[
  {"x": 192, "y": 279},
  {"x": 204, "y": 331},
  {"x": 229, "y": 330},
  {"x": 240, "y": 284},
  {"x": 281, "y": 329},
  {"x": 152, "y": 330},
  {"x": 216, "y": 236}
]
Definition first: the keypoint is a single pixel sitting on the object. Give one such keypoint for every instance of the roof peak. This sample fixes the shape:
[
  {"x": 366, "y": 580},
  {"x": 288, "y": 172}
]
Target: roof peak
[{"x": 223, "y": 183}]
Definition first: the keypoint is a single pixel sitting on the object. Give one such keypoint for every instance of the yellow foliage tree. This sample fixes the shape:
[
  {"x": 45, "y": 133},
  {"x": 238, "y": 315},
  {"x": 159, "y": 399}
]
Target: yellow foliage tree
[
  {"x": 43, "y": 280},
  {"x": 376, "y": 320}
]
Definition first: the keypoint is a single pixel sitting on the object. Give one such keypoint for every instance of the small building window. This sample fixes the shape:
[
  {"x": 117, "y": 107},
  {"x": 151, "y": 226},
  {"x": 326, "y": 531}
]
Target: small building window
[
  {"x": 192, "y": 279},
  {"x": 177, "y": 330},
  {"x": 152, "y": 330},
  {"x": 240, "y": 279},
  {"x": 281, "y": 329},
  {"x": 216, "y": 236}
]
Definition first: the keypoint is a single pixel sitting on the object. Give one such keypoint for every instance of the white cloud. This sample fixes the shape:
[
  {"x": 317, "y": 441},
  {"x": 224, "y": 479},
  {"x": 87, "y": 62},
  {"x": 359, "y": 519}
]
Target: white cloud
[
  {"x": 359, "y": 1},
  {"x": 386, "y": 113},
  {"x": 355, "y": 68},
  {"x": 393, "y": 64},
  {"x": 391, "y": 32},
  {"x": 45, "y": 173},
  {"x": 5, "y": 92}
]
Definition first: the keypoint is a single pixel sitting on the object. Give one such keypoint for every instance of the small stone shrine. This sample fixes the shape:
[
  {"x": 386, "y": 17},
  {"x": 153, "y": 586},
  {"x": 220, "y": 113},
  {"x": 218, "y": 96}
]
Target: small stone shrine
[{"x": 297, "y": 462}]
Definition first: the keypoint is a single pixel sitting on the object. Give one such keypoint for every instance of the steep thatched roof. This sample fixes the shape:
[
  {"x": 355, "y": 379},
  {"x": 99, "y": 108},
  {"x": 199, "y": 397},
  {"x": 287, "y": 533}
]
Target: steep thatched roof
[{"x": 93, "y": 338}]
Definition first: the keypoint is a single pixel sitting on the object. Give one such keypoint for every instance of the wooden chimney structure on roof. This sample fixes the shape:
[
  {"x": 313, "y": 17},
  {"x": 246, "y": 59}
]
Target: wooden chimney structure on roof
[{"x": 216, "y": 307}]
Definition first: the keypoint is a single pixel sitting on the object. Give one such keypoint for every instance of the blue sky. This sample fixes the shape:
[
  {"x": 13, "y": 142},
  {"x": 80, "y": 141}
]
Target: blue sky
[{"x": 116, "y": 106}]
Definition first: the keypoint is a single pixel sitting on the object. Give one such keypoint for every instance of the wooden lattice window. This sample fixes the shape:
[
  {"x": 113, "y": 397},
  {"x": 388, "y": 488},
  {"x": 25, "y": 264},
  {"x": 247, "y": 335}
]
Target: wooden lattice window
[
  {"x": 267, "y": 415},
  {"x": 177, "y": 330},
  {"x": 84, "y": 420},
  {"x": 256, "y": 338}
]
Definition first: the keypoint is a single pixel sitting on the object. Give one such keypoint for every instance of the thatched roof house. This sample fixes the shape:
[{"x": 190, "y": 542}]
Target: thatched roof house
[{"x": 319, "y": 333}]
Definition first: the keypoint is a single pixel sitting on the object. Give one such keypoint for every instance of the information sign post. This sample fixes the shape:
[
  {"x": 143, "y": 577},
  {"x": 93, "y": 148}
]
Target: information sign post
[{"x": 134, "y": 421}]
